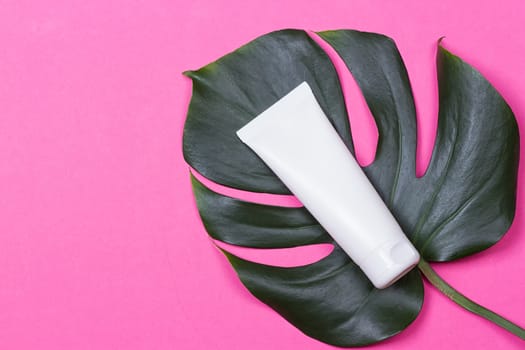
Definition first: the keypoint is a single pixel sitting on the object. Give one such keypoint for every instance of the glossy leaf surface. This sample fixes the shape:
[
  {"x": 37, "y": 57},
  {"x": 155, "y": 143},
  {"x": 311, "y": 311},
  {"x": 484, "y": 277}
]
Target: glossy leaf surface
[{"x": 463, "y": 204}]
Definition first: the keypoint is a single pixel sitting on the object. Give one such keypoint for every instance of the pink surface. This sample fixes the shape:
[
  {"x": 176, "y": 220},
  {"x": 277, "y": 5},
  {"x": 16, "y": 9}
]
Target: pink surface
[{"x": 101, "y": 246}]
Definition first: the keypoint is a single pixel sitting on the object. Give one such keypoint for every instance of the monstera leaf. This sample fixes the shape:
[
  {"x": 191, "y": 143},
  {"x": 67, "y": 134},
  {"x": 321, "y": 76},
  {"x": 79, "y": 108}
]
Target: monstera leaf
[{"x": 463, "y": 204}]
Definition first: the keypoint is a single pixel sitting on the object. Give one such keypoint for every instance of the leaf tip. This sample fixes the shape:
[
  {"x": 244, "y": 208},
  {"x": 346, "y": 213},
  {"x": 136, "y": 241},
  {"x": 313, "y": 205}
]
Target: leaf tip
[
  {"x": 442, "y": 51},
  {"x": 189, "y": 73}
]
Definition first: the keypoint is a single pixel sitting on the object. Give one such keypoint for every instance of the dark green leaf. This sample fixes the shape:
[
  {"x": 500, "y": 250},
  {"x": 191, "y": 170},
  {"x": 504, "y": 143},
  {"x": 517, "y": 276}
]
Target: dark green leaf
[{"x": 463, "y": 204}]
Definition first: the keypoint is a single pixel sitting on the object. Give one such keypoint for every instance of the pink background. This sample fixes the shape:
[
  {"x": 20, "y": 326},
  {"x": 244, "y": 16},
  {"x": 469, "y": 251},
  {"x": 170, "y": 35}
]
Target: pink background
[{"x": 101, "y": 246}]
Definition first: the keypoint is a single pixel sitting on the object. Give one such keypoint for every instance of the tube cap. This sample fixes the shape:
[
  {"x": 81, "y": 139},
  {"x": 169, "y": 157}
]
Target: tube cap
[{"x": 389, "y": 262}]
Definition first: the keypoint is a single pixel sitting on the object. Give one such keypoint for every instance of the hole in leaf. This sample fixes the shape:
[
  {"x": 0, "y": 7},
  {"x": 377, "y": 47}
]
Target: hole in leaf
[
  {"x": 422, "y": 73},
  {"x": 258, "y": 198},
  {"x": 364, "y": 129},
  {"x": 283, "y": 257}
]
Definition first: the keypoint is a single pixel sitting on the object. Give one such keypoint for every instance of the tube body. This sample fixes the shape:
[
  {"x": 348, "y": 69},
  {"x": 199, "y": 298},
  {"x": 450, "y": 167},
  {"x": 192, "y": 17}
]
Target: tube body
[{"x": 297, "y": 141}]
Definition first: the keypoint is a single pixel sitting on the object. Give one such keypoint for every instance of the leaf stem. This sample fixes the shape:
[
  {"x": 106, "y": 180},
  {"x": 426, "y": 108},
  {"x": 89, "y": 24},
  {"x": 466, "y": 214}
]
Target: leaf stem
[{"x": 467, "y": 303}]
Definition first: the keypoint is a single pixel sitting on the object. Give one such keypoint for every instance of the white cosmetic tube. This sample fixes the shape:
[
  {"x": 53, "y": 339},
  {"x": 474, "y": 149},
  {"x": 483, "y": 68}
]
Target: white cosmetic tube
[{"x": 296, "y": 140}]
